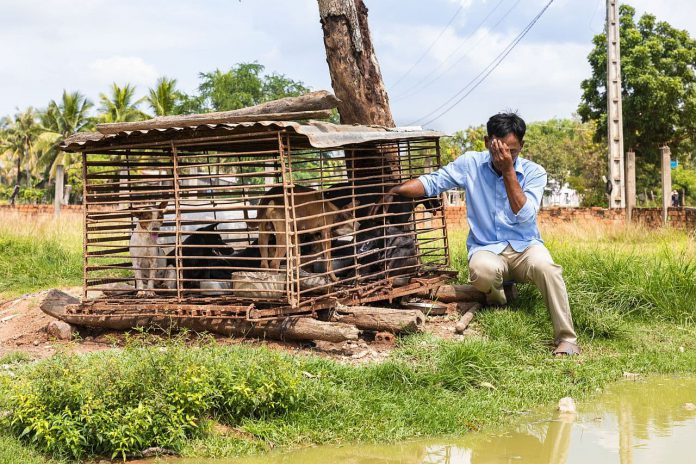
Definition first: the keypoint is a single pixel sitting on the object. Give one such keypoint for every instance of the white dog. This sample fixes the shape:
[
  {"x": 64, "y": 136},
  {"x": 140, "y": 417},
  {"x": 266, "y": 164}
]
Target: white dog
[{"x": 148, "y": 259}]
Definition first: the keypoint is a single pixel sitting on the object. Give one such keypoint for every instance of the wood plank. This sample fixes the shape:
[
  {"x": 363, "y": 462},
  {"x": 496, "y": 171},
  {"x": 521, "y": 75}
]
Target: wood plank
[{"x": 314, "y": 105}]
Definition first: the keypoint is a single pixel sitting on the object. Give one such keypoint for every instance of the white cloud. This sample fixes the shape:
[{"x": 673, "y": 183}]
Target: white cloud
[{"x": 122, "y": 70}]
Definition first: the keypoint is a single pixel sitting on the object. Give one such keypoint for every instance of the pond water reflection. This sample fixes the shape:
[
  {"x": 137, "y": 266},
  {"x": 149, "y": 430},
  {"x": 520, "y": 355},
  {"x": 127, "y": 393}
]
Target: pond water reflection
[{"x": 652, "y": 421}]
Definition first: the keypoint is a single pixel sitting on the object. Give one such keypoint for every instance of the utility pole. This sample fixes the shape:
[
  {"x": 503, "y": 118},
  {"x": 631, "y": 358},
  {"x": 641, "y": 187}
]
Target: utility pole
[{"x": 614, "y": 111}]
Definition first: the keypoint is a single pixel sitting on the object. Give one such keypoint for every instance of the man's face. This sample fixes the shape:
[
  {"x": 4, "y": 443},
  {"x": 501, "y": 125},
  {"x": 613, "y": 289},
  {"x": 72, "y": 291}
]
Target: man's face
[{"x": 510, "y": 140}]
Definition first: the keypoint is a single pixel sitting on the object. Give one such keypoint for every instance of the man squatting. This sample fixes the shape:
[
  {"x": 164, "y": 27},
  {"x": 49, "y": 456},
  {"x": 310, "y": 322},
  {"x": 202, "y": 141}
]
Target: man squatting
[{"x": 503, "y": 195}]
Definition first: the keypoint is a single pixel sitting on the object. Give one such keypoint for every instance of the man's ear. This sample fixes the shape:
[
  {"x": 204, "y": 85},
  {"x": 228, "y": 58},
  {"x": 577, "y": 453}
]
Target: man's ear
[
  {"x": 521, "y": 144},
  {"x": 487, "y": 142}
]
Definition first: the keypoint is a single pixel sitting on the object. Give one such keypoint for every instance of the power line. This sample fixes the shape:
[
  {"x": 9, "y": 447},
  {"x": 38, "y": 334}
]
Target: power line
[
  {"x": 418, "y": 86},
  {"x": 479, "y": 78},
  {"x": 430, "y": 47}
]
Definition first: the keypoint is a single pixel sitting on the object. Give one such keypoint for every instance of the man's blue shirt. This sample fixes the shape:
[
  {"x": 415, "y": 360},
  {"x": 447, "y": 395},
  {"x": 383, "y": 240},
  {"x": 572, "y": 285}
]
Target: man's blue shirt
[{"x": 492, "y": 224}]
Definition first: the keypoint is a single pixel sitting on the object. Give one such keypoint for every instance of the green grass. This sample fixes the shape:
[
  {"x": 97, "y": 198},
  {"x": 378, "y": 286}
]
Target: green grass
[
  {"x": 633, "y": 297},
  {"x": 38, "y": 252}
]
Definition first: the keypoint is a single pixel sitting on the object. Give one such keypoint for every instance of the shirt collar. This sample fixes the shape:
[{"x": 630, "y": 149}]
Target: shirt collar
[{"x": 517, "y": 165}]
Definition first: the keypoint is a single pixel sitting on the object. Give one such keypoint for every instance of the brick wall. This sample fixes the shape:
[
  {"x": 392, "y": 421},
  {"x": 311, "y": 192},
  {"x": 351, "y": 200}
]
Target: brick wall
[{"x": 683, "y": 218}]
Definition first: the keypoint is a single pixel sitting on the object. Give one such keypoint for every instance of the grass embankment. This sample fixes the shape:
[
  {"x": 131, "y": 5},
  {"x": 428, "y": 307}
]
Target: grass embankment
[
  {"x": 39, "y": 252},
  {"x": 633, "y": 295}
]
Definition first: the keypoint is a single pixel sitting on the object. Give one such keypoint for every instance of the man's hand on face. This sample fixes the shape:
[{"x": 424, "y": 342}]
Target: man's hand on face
[{"x": 502, "y": 158}]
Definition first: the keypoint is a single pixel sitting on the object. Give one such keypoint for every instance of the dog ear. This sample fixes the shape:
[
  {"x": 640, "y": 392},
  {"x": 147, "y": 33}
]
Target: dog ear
[{"x": 162, "y": 206}]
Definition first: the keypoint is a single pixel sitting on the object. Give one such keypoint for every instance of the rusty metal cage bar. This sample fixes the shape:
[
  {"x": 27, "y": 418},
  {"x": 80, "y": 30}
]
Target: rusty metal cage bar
[{"x": 227, "y": 205}]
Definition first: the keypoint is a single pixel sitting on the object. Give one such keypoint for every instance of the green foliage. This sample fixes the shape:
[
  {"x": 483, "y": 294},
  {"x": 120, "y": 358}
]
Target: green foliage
[
  {"x": 685, "y": 179},
  {"x": 564, "y": 147},
  {"x": 244, "y": 85},
  {"x": 659, "y": 89},
  {"x": 120, "y": 105},
  {"x": 116, "y": 404},
  {"x": 165, "y": 99},
  {"x": 28, "y": 264},
  {"x": 14, "y": 357},
  {"x": 460, "y": 142}
]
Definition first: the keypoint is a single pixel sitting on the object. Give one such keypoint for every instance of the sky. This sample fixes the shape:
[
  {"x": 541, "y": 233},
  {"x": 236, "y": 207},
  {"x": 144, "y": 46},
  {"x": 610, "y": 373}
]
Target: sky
[{"x": 85, "y": 45}]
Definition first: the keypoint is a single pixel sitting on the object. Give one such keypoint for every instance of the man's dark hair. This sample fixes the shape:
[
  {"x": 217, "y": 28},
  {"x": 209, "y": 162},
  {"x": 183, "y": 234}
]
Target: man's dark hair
[{"x": 503, "y": 124}]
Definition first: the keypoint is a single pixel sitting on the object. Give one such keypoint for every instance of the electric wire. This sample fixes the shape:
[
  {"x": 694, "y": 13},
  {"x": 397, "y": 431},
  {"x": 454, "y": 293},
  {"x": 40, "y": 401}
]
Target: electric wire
[
  {"x": 479, "y": 78},
  {"x": 425, "y": 81},
  {"x": 430, "y": 47}
]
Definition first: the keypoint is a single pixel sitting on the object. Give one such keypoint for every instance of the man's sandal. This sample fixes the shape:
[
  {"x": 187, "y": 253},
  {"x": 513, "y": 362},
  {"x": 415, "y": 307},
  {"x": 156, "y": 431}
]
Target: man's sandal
[{"x": 566, "y": 349}]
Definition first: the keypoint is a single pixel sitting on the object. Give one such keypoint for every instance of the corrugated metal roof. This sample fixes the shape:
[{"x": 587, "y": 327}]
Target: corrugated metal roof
[{"x": 319, "y": 134}]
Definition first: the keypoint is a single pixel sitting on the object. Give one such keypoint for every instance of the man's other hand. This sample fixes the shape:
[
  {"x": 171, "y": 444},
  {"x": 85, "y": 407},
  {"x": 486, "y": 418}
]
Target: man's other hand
[{"x": 383, "y": 204}]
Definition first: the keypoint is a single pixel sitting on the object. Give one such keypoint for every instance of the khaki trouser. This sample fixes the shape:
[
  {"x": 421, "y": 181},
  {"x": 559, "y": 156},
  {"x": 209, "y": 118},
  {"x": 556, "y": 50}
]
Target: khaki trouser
[{"x": 534, "y": 265}]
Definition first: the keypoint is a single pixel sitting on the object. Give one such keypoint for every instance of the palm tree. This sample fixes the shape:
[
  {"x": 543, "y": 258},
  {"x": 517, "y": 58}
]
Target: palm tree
[
  {"x": 60, "y": 120},
  {"x": 121, "y": 106},
  {"x": 164, "y": 99},
  {"x": 19, "y": 142}
]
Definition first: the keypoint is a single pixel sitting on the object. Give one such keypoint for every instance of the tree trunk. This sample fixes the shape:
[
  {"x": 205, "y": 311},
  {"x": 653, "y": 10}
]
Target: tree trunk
[
  {"x": 357, "y": 81},
  {"x": 355, "y": 74}
]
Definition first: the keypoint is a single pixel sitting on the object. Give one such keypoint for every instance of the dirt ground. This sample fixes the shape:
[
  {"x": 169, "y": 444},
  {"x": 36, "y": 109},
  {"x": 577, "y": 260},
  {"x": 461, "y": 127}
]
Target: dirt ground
[{"x": 23, "y": 329}]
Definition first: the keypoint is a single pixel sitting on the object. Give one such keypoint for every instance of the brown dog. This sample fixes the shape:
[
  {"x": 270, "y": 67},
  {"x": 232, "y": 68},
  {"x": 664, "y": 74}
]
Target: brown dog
[{"x": 312, "y": 211}]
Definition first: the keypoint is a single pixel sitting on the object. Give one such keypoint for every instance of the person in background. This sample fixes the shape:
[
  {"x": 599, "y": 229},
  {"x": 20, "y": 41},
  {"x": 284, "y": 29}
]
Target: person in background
[
  {"x": 503, "y": 194},
  {"x": 675, "y": 199}
]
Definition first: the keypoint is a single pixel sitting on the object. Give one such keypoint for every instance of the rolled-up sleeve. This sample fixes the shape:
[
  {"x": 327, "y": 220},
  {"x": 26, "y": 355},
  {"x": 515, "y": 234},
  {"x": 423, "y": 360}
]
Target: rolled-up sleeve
[
  {"x": 448, "y": 177},
  {"x": 534, "y": 190}
]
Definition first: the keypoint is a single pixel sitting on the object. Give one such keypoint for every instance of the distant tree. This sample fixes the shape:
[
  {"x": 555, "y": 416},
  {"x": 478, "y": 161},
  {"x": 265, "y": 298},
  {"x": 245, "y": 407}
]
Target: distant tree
[
  {"x": 18, "y": 143},
  {"x": 659, "y": 89},
  {"x": 121, "y": 105},
  {"x": 243, "y": 85},
  {"x": 164, "y": 98},
  {"x": 60, "y": 120},
  {"x": 470, "y": 139},
  {"x": 568, "y": 153}
]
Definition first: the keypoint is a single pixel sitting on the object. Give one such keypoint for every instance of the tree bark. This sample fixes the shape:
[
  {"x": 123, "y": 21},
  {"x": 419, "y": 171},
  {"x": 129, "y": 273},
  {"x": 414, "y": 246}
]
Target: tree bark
[
  {"x": 455, "y": 293},
  {"x": 357, "y": 82},
  {"x": 380, "y": 319},
  {"x": 355, "y": 75}
]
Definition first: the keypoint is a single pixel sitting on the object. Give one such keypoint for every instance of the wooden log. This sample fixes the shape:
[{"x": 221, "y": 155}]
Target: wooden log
[
  {"x": 319, "y": 102},
  {"x": 466, "y": 319},
  {"x": 455, "y": 293},
  {"x": 380, "y": 319},
  {"x": 56, "y": 303}
]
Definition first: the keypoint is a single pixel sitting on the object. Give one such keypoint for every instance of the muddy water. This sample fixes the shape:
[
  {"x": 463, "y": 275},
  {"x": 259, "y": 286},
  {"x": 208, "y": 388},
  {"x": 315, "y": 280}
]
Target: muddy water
[{"x": 651, "y": 421}]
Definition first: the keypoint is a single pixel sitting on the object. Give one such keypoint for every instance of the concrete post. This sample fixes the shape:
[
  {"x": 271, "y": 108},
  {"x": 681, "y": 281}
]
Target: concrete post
[
  {"x": 614, "y": 108},
  {"x": 630, "y": 184},
  {"x": 666, "y": 182},
  {"x": 58, "y": 197}
]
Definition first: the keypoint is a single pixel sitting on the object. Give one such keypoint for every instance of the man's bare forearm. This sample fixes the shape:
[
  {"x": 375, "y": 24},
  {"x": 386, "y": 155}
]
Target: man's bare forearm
[
  {"x": 516, "y": 196},
  {"x": 410, "y": 189}
]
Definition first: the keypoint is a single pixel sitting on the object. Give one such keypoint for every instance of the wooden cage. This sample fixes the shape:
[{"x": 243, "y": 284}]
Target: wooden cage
[{"x": 255, "y": 220}]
